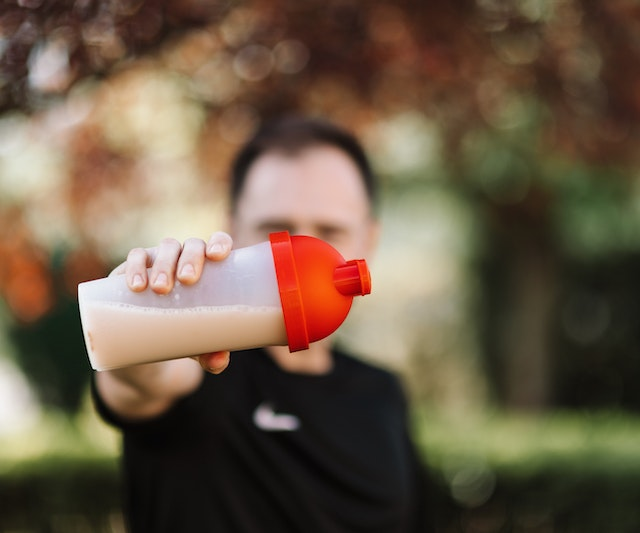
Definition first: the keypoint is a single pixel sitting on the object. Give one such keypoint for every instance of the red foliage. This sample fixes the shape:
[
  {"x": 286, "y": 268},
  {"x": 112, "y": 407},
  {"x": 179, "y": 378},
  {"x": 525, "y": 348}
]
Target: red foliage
[{"x": 581, "y": 60}]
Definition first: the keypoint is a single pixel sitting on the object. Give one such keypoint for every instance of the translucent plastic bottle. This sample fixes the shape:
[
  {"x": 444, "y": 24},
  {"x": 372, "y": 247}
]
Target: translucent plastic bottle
[{"x": 287, "y": 291}]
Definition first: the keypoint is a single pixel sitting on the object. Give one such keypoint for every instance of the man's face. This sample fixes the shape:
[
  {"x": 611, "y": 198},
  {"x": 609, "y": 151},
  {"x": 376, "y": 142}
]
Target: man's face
[{"x": 317, "y": 192}]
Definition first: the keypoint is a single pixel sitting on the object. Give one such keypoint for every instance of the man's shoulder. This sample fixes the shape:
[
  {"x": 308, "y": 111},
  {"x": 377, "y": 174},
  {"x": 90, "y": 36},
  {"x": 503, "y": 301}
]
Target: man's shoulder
[
  {"x": 360, "y": 362},
  {"x": 365, "y": 368}
]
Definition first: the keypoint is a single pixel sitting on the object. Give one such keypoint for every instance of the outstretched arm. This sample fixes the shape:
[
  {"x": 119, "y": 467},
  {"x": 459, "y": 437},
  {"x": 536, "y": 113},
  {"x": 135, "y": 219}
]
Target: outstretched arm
[{"x": 144, "y": 391}]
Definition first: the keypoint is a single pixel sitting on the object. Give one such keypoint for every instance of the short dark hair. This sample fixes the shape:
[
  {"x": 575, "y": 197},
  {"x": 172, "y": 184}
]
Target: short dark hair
[{"x": 292, "y": 135}]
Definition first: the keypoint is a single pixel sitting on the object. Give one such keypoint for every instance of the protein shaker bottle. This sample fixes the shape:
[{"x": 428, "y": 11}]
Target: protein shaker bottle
[{"x": 291, "y": 290}]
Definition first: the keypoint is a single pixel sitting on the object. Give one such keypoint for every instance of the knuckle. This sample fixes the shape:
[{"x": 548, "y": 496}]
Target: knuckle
[
  {"x": 170, "y": 242},
  {"x": 193, "y": 242},
  {"x": 221, "y": 236},
  {"x": 137, "y": 253}
]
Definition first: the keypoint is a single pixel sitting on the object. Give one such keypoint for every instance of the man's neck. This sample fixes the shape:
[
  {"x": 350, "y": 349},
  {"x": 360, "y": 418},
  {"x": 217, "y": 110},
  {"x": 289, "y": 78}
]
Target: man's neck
[{"x": 316, "y": 360}]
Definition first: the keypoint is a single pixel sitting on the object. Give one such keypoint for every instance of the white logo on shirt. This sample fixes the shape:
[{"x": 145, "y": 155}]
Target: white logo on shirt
[{"x": 265, "y": 418}]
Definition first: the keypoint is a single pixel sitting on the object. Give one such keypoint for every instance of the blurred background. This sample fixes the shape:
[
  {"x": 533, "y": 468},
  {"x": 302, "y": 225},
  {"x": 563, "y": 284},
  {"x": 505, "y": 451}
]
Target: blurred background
[{"x": 506, "y": 136}]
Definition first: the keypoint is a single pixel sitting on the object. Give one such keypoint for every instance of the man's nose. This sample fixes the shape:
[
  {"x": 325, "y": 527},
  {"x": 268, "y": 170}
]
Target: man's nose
[{"x": 304, "y": 230}]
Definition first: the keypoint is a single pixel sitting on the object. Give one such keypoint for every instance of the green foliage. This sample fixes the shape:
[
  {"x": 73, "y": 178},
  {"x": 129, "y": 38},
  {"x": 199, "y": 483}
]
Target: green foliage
[
  {"x": 597, "y": 210},
  {"x": 51, "y": 353}
]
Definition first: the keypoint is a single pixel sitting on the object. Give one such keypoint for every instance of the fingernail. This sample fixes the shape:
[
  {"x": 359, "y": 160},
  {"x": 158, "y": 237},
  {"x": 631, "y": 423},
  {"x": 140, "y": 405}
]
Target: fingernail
[
  {"x": 161, "y": 280},
  {"x": 188, "y": 271},
  {"x": 137, "y": 281},
  {"x": 216, "y": 248},
  {"x": 217, "y": 369}
]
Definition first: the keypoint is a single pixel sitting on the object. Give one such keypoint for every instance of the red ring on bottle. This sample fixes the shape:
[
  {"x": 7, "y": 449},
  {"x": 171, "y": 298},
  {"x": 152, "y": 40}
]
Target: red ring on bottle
[{"x": 289, "y": 286}]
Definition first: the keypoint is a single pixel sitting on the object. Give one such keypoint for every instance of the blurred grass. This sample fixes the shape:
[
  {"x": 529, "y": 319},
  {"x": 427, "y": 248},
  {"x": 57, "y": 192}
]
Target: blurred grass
[
  {"x": 603, "y": 443},
  {"x": 606, "y": 443},
  {"x": 555, "y": 472},
  {"x": 57, "y": 438},
  {"x": 61, "y": 475},
  {"x": 560, "y": 471}
]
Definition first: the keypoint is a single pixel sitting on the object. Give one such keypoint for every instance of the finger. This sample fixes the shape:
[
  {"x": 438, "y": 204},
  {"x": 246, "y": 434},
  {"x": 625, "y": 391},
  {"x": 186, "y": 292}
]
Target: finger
[
  {"x": 135, "y": 268},
  {"x": 120, "y": 269},
  {"x": 191, "y": 261},
  {"x": 163, "y": 271},
  {"x": 219, "y": 246},
  {"x": 215, "y": 362}
]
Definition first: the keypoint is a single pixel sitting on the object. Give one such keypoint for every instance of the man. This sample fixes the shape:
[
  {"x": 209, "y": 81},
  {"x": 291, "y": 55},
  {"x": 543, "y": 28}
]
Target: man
[{"x": 312, "y": 441}]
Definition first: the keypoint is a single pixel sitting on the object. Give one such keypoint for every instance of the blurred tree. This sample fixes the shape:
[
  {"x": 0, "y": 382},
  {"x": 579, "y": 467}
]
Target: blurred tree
[
  {"x": 521, "y": 92},
  {"x": 467, "y": 63},
  {"x": 597, "y": 334},
  {"x": 40, "y": 293}
]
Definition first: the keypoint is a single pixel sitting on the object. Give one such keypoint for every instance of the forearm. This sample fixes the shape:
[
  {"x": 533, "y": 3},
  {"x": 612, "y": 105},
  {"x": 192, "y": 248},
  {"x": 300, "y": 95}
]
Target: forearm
[{"x": 144, "y": 391}]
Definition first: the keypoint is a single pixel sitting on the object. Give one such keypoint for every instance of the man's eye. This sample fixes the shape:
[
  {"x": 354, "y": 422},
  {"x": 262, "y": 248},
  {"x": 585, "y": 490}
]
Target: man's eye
[{"x": 331, "y": 234}]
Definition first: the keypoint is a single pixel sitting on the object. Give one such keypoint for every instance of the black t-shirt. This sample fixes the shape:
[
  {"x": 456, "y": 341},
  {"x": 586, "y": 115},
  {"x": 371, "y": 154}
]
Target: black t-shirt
[{"x": 257, "y": 449}]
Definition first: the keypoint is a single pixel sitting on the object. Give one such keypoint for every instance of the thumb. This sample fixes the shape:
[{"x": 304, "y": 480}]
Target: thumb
[{"x": 214, "y": 362}]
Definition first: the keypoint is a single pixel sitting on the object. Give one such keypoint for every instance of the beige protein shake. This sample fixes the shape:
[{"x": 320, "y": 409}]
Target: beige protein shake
[{"x": 117, "y": 334}]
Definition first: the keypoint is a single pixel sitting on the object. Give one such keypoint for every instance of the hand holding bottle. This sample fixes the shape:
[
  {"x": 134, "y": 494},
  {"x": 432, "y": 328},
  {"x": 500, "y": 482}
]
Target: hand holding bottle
[{"x": 159, "y": 268}]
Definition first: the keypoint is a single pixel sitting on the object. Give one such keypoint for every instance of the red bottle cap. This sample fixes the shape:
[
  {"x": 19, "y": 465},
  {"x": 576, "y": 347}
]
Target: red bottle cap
[{"x": 316, "y": 286}]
